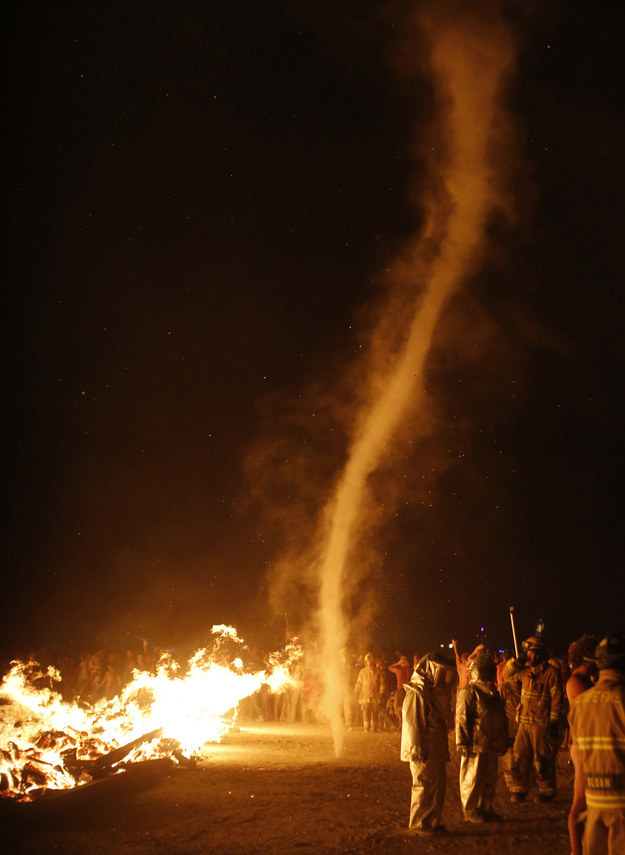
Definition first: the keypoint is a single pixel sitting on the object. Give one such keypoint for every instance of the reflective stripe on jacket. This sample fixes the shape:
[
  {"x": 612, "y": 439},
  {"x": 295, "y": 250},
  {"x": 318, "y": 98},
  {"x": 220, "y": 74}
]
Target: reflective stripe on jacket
[
  {"x": 597, "y": 720},
  {"x": 367, "y": 685},
  {"x": 541, "y": 692}
]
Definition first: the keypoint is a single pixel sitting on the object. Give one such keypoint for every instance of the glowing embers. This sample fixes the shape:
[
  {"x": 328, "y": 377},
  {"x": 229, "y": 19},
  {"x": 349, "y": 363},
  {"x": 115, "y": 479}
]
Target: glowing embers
[{"x": 47, "y": 743}]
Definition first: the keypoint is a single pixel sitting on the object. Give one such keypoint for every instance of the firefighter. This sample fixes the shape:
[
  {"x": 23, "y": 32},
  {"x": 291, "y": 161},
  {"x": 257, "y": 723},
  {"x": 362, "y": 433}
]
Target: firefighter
[
  {"x": 426, "y": 719},
  {"x": 597, "y": 722},
  {"x": 537, "y": 737},
  {"x": 367, "y": 692},
  {"x": 481, "y": 736}
]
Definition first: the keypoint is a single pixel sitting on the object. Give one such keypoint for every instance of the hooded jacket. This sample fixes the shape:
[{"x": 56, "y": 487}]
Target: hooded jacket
[
  {"x": 424, "y": 728},
  {"x": 481, "y": 722}
]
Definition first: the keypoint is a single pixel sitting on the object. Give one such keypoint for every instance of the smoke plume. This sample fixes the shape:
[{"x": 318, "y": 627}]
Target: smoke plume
[{"x": 470, "y": 54}]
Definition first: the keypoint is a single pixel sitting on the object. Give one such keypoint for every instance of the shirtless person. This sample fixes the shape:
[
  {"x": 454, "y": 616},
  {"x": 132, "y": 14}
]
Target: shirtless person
[
  {"x": 463, "y": 663},
  {"x": 403, "y": 672}
]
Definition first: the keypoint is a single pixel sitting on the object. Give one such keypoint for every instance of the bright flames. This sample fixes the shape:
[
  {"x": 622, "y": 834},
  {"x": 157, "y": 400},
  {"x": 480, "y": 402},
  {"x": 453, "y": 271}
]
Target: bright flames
[{"x": 47, "y": 743}]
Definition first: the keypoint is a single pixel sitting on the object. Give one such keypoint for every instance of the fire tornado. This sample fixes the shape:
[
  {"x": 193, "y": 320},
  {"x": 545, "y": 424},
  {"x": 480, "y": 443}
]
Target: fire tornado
[{"x": 471, "y": 53}]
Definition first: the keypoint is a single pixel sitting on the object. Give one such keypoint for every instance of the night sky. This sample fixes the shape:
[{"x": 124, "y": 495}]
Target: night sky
[{"x": 199, "y": 200}]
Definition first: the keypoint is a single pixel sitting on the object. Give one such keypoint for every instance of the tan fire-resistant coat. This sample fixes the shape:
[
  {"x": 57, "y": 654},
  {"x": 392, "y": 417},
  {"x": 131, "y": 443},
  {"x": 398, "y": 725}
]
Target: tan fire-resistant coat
[
  {"x": 541, "y": 692},
  {"x": 367, "y": 685},
  {"x": 597, "y": 720}
]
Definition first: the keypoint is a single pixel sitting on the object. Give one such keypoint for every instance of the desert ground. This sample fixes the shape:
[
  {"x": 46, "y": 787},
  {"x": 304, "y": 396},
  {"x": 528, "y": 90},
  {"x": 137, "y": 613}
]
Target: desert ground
[{"x": 276, "y": 788}]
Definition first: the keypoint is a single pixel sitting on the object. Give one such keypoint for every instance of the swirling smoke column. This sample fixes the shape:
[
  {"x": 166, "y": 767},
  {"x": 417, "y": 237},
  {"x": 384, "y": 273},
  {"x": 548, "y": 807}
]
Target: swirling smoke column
[{"x": 472, "y": 54}]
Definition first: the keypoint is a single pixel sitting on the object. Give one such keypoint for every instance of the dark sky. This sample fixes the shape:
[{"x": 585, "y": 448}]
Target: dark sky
[{"x": 199, "y": 198}]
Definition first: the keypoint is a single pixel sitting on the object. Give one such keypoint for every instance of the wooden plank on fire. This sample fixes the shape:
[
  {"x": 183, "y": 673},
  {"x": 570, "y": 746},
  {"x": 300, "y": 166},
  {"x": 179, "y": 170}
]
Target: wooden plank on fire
[{"x": 103, "y": 764}]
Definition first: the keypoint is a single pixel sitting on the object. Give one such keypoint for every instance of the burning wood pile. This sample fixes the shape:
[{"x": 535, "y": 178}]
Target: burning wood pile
[
  {"x": 48, "y": 745},
  {"x": 27, "y": 775}
]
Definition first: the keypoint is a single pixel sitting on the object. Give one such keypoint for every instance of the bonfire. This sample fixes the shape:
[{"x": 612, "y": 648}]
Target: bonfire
[{"x": 48, "y": 744}]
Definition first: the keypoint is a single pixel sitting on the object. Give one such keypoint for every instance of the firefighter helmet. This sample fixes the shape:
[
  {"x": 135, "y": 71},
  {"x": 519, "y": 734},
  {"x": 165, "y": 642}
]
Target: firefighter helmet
[
  {"x": 535, "y": 642},
  {"x": 610, "y": 652}
]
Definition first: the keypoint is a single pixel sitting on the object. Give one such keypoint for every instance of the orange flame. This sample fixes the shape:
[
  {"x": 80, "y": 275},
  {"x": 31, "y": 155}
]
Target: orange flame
[{"x": 40, "y": 732}]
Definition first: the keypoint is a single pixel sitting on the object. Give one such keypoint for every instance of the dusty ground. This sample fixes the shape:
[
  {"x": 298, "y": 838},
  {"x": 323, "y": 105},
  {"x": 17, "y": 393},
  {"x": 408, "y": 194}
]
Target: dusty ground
[{"x": 277, "y": 788}]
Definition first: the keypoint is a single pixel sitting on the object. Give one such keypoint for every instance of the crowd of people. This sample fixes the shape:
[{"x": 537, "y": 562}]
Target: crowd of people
[
  {"x": 93, "y": 676},
  {"x": 523, "y": 709}
]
